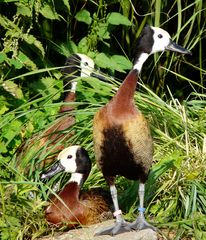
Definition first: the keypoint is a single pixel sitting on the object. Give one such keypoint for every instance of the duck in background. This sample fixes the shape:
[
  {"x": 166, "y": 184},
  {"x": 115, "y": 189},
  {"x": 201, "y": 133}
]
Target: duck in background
[
  {"x": 122, "y": 139},
  {"x": 52, "y": 140},
  {"x": 72, "y": 207}
]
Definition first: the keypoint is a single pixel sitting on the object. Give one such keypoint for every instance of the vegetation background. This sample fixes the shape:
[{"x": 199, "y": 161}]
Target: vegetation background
[{"x": 35, "y": 39}]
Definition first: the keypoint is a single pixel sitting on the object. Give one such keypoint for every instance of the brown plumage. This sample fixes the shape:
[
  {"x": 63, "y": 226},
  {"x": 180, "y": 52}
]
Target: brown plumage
[
  {"x": 121, "y": 132},
  {"x": 53, "y": 139},
  {"x": 122, "y": 141},
  {"x": 72, "y": 207},
  {"x": 77, "y": 208}
]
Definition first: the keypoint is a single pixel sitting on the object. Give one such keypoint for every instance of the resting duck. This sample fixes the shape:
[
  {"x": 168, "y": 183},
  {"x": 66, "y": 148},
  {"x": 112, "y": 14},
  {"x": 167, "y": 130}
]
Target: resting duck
[
  {"x": 122, "y": 139},
  {"x": 52, "y": 139},
  {"x": 73, "y": 207}
]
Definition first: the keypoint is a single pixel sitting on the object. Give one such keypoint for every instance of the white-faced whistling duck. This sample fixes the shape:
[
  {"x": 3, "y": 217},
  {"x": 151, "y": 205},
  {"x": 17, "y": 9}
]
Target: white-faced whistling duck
[
  {"x": 73, "y": 207},
  {"x": 52, "y": 139},
  {"x": 122, "y": 140}
]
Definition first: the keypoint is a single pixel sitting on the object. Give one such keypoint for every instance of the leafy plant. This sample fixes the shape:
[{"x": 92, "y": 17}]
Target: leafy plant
[{"x": 36, "y": 37}]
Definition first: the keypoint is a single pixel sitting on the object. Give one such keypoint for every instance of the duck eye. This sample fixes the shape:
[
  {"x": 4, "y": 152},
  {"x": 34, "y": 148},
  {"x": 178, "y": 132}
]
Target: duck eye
[
  {"x": 69, "y": 156},
  {"x": 160, "y": 36},
  {"x": 86, "y": 64}
]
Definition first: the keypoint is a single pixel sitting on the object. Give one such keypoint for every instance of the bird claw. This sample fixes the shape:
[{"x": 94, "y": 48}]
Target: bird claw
[
  {"x": 119, "y": 227},
  {"x": 140, "y": 223}
]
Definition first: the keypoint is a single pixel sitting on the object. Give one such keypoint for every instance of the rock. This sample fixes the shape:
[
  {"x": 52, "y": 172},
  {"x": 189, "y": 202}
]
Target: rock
[{"x": 87, "y": 233}]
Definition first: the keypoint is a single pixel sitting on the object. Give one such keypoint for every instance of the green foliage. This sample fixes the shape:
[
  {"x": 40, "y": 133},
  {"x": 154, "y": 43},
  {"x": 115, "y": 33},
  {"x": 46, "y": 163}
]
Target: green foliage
[
  {"x": 20, "y": 214},
  {"x": 36, "y": 37},
  {"x": 115, "y": 18},
  {"x": 84, "y": 16}
]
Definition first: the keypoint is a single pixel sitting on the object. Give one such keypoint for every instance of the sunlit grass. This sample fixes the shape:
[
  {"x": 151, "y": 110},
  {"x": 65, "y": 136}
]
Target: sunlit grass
[
  {"x": 175, "y": 192},
  {"x": 175, "y": 195}
]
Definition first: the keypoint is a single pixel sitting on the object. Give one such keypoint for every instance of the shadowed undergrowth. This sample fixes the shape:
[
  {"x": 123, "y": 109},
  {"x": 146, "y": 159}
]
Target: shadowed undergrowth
[{"x": 36, "y": 39}]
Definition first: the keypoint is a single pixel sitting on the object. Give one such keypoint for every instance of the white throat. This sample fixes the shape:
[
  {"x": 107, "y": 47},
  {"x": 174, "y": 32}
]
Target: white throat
[
  {"x": 73, "y": 86},
  {"x": 139, "y": 62},
  {"x": 76, "y": 177}
]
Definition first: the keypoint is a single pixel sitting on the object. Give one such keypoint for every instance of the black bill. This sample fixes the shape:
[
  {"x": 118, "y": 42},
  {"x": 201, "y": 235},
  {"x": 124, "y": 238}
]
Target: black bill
[
  {"x": 98, "y": 75},
  {"x": 56, "y": 168},
  {"x": 177, "y": 48}
]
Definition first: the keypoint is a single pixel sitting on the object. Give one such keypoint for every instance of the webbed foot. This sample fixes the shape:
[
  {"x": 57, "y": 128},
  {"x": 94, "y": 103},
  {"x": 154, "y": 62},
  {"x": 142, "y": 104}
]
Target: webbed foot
[
  {"x": 119, "y": 227},
  {"x": 140, "y": 223}
]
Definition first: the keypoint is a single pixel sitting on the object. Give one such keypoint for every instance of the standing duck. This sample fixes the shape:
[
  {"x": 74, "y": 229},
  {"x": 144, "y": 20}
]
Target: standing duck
[
  {"x": 72, "y": 207},
  {"x": 122, "y": 140},
  {"x": 52, "y": 139}
]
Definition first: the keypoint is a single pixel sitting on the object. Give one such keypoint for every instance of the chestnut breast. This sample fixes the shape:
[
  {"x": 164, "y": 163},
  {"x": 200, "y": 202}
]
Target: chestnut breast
[
  {"x": 66, "y": 208},
  {"x": 73, "y": 210},
  {"x": 123, "y": 143}
]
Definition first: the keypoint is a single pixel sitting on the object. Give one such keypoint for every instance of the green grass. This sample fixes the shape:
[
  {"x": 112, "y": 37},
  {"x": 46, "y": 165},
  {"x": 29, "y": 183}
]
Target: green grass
[
  {"x": 175, "y": 197},
  {"x": 171, "y": 94}
]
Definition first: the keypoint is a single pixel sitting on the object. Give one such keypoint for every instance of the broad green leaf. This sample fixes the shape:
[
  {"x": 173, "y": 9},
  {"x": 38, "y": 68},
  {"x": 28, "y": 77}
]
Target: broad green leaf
[
  {"x": 103, "y": 61},
  {"x": 84, "y": 16},
  {"x": 49, "y": 12},
  {"x": 83, "y": 45},
  {"x": 116, "y": 18},
  {"x": 126, "y": 6},
  {"x": 3, "y": 57},
  {"x": 3, "y": 109},
  {"x": 102, "y": 31},
  {"x": 116, "y": 62},
  {"x": 101, "y": 87},
  {"x": 16, "y": 63},
  {"x": 12, "y": 130},
  {"x": 115, "y": 66},
  {"x": 3, "y": 148},
  {"x": 66, "y": 3},
  {"x": 23, "y": 9},
  {"x": 122, "y": 62}
]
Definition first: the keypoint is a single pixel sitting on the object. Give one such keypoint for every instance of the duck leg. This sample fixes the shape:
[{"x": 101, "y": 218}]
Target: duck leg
[
  {"x": 120, "y": 225},
  {"x": 141, "y": 223}
]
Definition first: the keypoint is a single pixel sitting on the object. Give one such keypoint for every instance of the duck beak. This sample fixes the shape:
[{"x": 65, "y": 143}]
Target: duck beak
[
  {"x": 56, "y": 168},
  {"x": 98, "y": 75},
  {"x": 176, "y": 48}
]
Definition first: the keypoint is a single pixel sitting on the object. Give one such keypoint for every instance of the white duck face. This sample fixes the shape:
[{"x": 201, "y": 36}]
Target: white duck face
[
  {"x": 86, "y": 65},
  {"x": 163, "y": 41},
  {"x": 79, "y": 65},
  {"x": 152, "y": 40},
  {"x": 67, "y": 158},
  {"x": 74, "y": 160}
]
